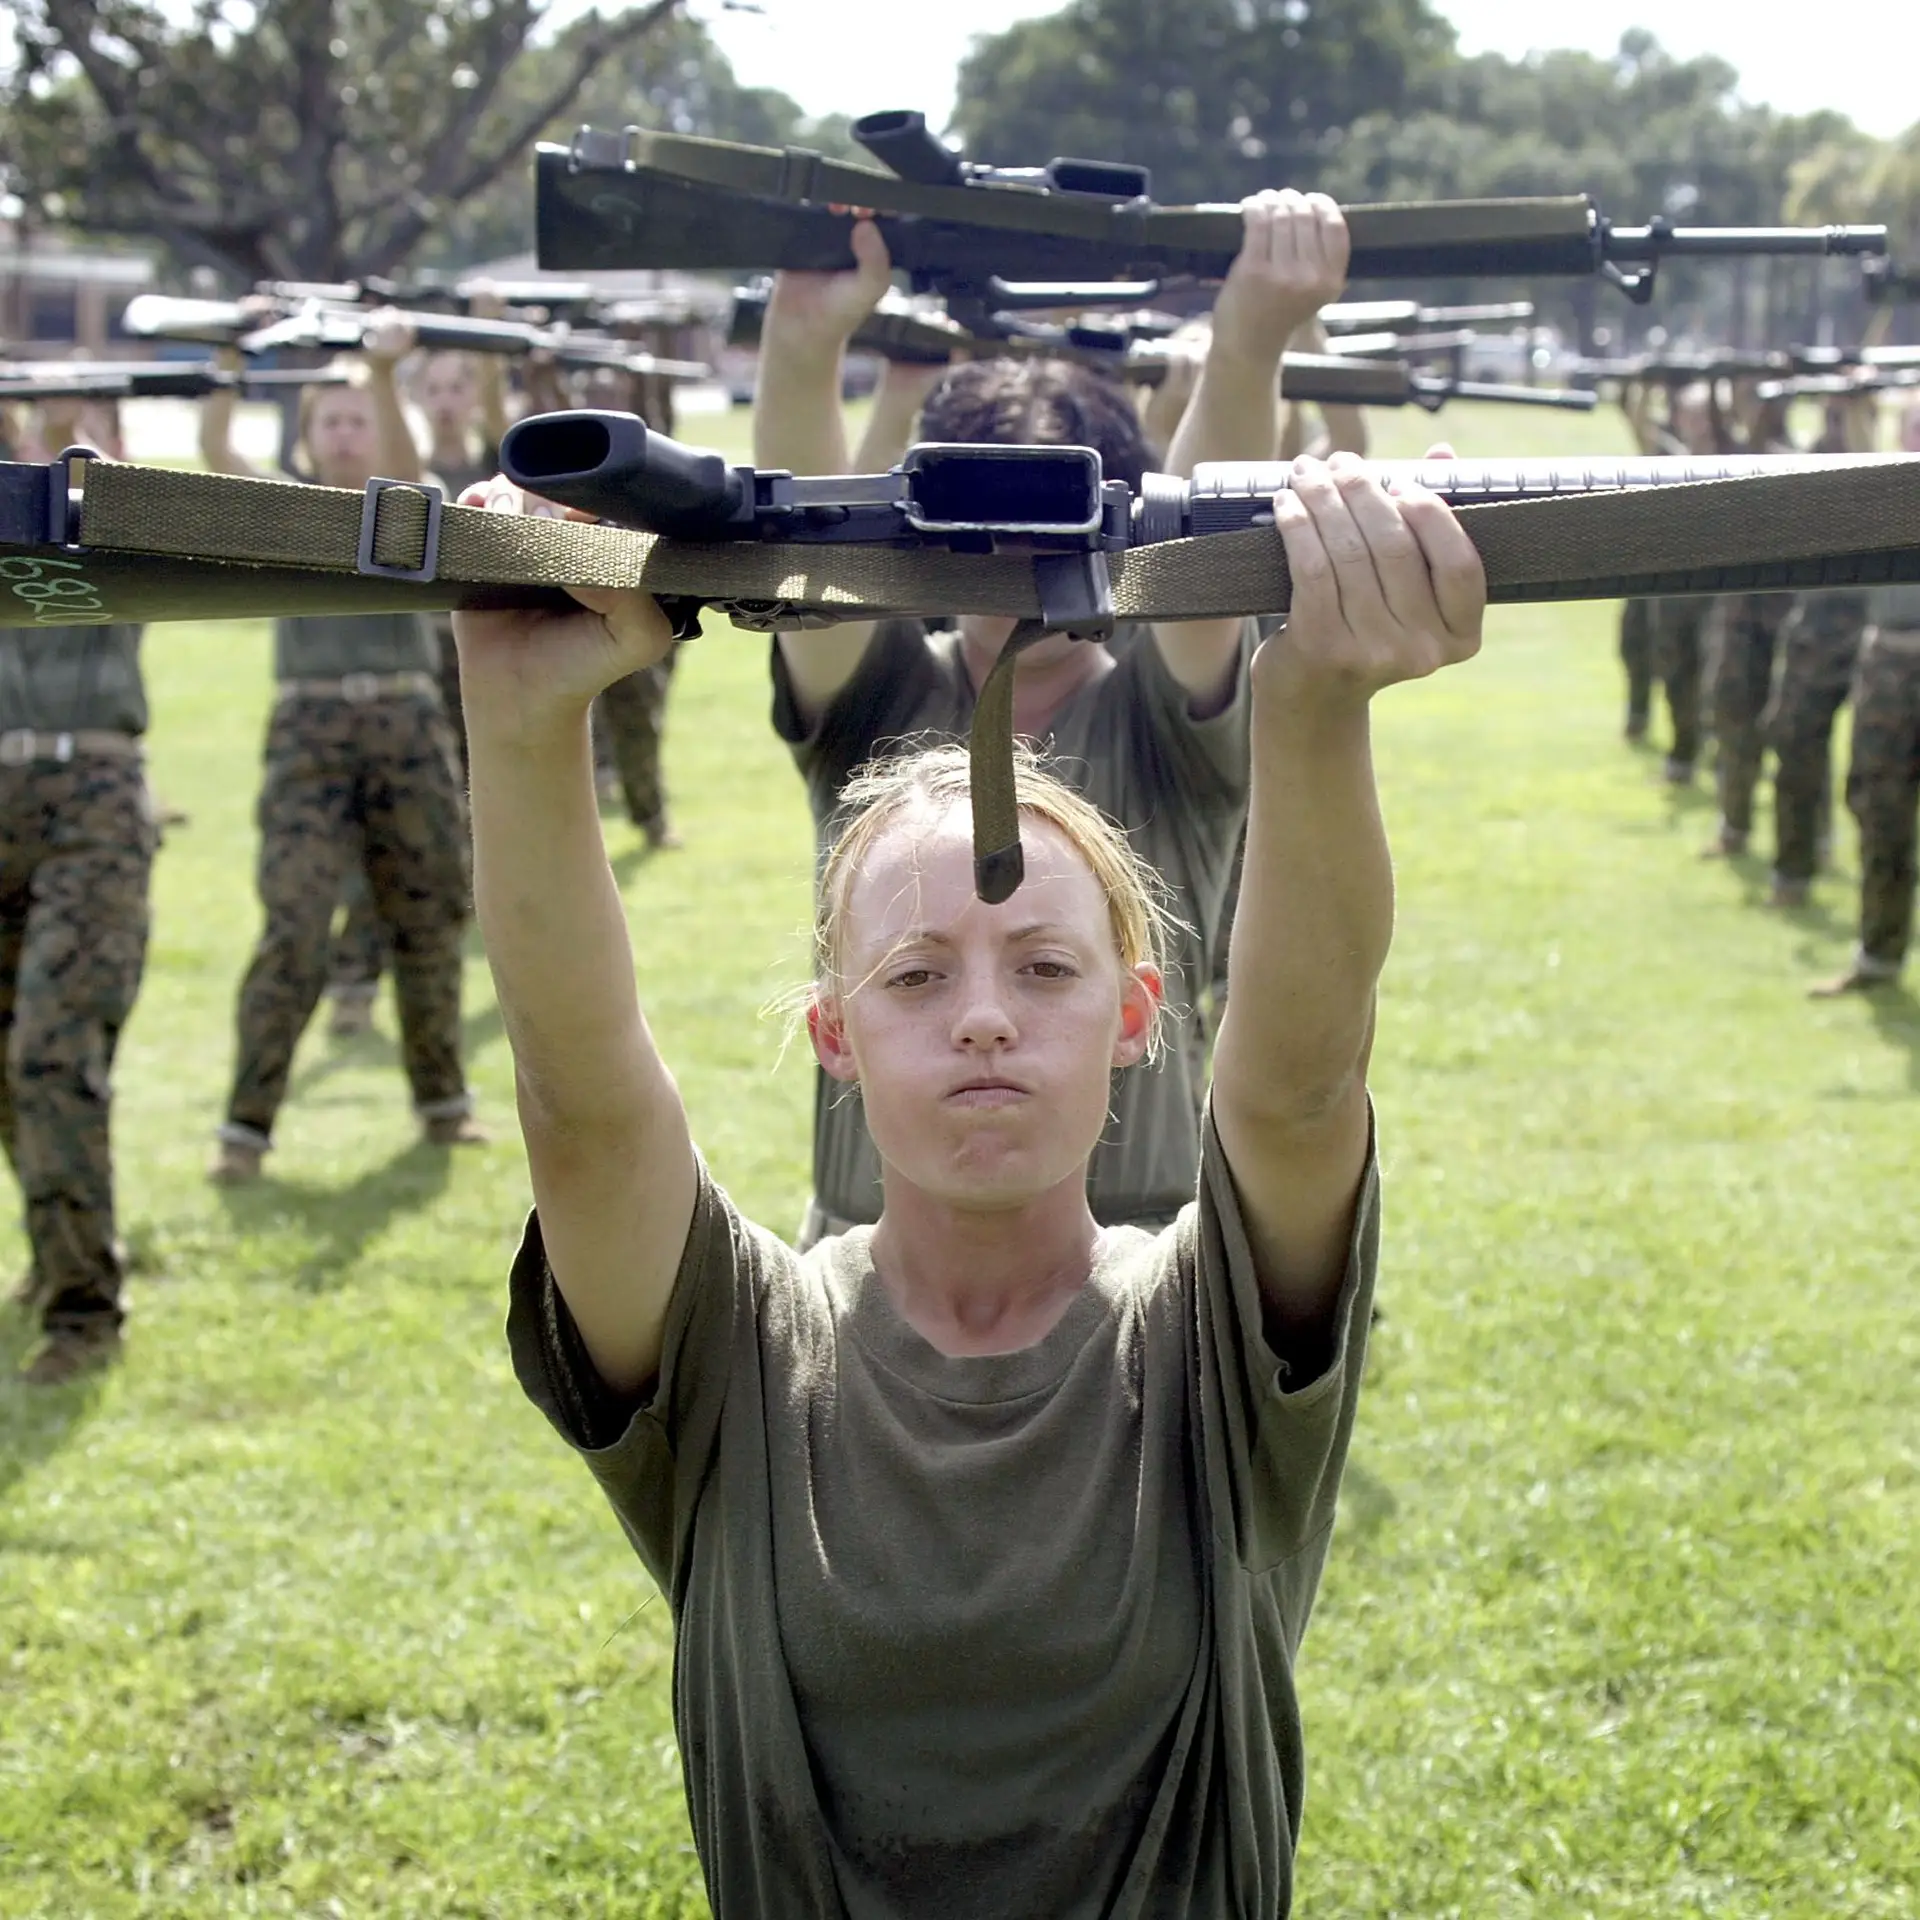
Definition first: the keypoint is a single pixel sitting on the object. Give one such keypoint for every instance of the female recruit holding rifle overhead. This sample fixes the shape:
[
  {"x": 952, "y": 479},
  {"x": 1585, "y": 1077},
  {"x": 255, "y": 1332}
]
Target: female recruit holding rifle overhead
[
  {"x": 990, "y": 1535},
  {"x": 360, "y": 770}
]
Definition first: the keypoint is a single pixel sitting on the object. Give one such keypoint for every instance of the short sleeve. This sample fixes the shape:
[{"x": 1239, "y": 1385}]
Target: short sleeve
[
  {"x": 1276, "y": 1444},
  {"x": 1210, "y": 758},
  {"x": 652, "y": 1453},
  {"x": 888, "y": 691}
]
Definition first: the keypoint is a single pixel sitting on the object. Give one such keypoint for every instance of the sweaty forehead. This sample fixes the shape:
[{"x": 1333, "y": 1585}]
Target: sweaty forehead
[{"x": 917, "y": 877}]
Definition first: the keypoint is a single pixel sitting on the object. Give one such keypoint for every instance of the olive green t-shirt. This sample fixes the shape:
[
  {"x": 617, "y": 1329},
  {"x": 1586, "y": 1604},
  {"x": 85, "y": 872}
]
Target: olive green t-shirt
[
  {"x": 1897, "y": 608},
  {"x": 329, "y": 646},
  {"x": 1130, "y": 743},
  {"x": 1004, "y": 1638},
  {"x": 72, "y": 680}
]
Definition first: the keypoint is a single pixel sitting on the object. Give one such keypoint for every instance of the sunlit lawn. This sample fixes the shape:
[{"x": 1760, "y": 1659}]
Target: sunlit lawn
[{"x": 302, "y": 1611}]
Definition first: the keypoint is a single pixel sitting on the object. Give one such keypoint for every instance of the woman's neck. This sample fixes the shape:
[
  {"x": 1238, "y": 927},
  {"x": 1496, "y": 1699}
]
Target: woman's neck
[
  {"x": 452, "y": 447},
  {"x": 972, "y": 1283}
]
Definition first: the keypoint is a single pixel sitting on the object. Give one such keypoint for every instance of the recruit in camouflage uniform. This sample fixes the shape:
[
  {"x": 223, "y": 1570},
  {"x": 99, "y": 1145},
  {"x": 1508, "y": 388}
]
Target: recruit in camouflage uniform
[
  {"x": 77, "y": 840},
  {"x": 1675, "y": 627},
  {"x": 360, "y": 953},
  {"x": 1883, "y": 788},
  {"x": 1820, "y": 647},
  {"x": 360, "y": 767},
  {"x": 1746, "y": 635},
  {"x": 628, "y": 718}
]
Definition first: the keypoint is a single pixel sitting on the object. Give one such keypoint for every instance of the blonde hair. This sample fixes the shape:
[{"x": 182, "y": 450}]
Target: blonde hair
[{"x": 928, "y": 782}]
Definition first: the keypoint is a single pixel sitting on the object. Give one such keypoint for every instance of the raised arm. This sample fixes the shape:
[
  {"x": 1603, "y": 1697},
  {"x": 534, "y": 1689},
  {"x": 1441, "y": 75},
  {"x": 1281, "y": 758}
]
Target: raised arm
[
  {"x": 798, "y": 425},
  {"x": 904, "y": 385},
  {"x": 1384, "y": 590},
  {"x": 388, "y": 341},
  {"x": 606, "y": 1135},
  {"x": 217, "y": 450},
  {"x": 489, "y": 372},
  {"x": 1292, "y": 261}
]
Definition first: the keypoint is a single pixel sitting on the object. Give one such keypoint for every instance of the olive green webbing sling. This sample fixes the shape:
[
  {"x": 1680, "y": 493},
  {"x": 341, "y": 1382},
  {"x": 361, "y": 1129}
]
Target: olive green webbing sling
[{"x": 158, "y": 544}]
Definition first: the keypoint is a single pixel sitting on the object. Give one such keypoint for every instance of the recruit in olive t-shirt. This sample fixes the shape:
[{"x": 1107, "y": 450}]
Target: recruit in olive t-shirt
[
  {"x": 1129, "y": 742},
  {"x": 1001, "y": 1638},
  {"x": 1895, "y": 608},
  {"x": 72, "y": 680},
  {"x": 329, "y": 646}
]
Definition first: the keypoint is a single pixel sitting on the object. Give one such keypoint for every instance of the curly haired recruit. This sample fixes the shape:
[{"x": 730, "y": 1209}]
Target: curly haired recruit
[{"x": 1052, "y": 403}]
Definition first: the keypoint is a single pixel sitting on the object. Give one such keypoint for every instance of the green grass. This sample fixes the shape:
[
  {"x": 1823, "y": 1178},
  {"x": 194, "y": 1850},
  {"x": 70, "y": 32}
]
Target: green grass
[{"x": 302, "y": 1611}]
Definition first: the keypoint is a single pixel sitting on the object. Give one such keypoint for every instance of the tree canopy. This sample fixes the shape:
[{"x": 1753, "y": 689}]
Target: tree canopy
[
  {"x": 1215, "y": 96},
  {"x": 1368, "y": 100},
  {"x": 303, "y": 139}
]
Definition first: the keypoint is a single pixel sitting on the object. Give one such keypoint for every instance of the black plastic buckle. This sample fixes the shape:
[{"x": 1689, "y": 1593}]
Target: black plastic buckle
[
  {"x": 429, "y": 567},
  {"x": 799, "y": 173},
  {"x": 1076, "y": 594},
  {"x": 60, "y": 514}
]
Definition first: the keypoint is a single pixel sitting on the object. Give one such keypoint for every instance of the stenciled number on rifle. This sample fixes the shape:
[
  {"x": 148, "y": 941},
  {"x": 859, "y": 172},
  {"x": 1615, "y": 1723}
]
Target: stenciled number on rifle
[{"x": 69, "y": 598}]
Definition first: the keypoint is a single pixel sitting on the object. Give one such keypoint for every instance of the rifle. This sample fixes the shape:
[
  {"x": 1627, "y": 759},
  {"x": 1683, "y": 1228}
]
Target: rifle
[
  {"x": 636, "y": 198},
  {"x": 1408, "y": 316},
  {"x": 1889, "y": 283},
  {"x": 147, "y": 380},
  {"x": 1130, "y": 350},
  {"x": 1396, "y": 346},
  {"x": 917, "y": 334},
  {"x": 1839, "y": 386},
  {"x": 552, "y": 299},
  {"x": 1036, "y": 533},
  {"x": 339, "y": 328},
  {"x": 1331, "y": 380}
]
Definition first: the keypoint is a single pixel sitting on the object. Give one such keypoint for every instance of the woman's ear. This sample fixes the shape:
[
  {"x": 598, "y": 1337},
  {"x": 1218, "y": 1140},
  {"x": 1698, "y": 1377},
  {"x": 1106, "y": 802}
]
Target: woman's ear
[
  {"x": 1142, "y": 995},
  {"x": 829, "y": 1036}
]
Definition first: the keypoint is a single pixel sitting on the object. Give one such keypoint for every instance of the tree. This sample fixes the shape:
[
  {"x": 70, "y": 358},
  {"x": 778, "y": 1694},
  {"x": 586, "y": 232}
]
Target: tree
[
  {"x": 294, "y": 139},
  {"x": 1217, "y": 97},
  {"x": 676, "y": 79}
]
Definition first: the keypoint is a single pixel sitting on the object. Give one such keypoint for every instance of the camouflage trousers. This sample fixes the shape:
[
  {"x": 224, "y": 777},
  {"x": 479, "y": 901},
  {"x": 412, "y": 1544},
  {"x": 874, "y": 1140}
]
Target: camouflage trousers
[
  {"x": 1820, "y": 645},
  {"x": 77, "y": 841},
  {"x": 629, "y": 717},
  {"x": 361, "y": 953},
  {"x": 1883, "y": 791},
  {"x": 371, "y": 783},
  {"x": 450, "y": 700},
  {"x": 1746, "y": 637},
  {"x": 1677, "y": 625},
  {"x": 1636, "y": 656}
]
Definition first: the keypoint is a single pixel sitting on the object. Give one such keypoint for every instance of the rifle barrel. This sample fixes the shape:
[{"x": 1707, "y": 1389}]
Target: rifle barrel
[{"x": 1658, "y": 240}]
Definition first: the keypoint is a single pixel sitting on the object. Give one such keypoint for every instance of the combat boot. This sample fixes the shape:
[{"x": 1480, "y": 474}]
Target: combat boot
[
  {"x": 71, "y": 1351},
  {"x": 236, "y": 1164},
  {"x": 1862, "y": 974},
  {"x": 455, "y": 1130}
]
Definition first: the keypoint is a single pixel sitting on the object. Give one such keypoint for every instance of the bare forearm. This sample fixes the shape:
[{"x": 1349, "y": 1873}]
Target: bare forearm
[
  {"x": 1231, "y": 414},
  {"x": 797, "y": 420},
  {"x": 556, "y": 934},
  {"x": 493, "y": 399},
  {"x": 1315, "y": 917},
  {"x": 890, "y": 420},
  {"x": 399, "y": 456},
  {"x": 216, "y": 434}
]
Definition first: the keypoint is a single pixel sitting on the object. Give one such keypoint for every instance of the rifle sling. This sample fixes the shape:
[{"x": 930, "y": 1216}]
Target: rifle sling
[{"x": 160, "y": 543}]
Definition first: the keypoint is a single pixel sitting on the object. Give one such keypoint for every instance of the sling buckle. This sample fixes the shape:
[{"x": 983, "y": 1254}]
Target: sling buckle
[
  {"x": 429, "y": 566},
  {"x": 61, "y": 498},
  {"x": 1076, "y": 594}
]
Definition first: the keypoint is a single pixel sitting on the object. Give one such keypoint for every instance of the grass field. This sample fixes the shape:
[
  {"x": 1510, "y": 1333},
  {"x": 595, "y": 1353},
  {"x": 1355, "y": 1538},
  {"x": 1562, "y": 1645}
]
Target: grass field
[{"x": 303, "y": 1611}]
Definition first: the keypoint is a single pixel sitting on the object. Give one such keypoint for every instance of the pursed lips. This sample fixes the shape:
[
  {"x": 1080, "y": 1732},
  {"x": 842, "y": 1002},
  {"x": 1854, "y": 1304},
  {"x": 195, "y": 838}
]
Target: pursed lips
[{"x": 987, "y": 1093}]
